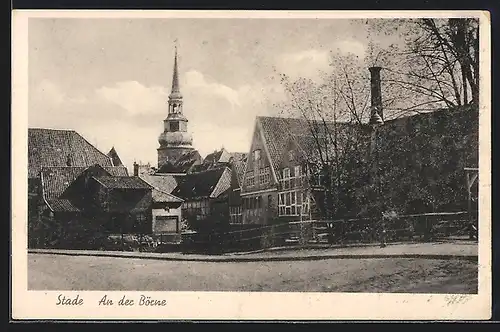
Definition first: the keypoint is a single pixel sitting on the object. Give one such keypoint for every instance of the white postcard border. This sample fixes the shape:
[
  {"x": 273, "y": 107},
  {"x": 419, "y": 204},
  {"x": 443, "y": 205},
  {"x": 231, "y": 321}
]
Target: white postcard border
[{"x": 239, "y": 305}]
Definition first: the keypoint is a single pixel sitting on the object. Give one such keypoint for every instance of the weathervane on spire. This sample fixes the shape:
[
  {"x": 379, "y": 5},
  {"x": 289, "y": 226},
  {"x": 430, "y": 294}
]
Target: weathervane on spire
[{"x": 176, "y": 43}]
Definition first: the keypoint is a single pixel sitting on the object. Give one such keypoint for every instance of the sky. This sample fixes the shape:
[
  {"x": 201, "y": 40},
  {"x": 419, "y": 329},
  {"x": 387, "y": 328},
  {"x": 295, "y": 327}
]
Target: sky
[{"x": 109, "y": 79}]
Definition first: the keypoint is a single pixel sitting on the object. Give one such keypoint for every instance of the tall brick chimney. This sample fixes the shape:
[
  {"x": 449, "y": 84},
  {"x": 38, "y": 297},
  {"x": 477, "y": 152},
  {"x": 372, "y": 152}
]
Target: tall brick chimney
[
  {"x": 376, "y": 92},
  {"x": 136, "y": 169}
]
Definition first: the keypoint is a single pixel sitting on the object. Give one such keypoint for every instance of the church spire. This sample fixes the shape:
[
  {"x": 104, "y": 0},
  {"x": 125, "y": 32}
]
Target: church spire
[
  {"x": 175, "y": 77},
  {"x": 175, "y": 140}
]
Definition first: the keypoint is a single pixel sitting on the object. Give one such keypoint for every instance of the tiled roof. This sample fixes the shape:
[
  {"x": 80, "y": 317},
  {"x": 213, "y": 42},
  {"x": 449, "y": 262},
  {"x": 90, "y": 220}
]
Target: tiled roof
[
  {"x": 143, "y": 205},
  {"x": 210, "y": 183},
  {"x": 114, "y": 157},
  {"x": 223, "y": 185},
  {"x": 310, "y": 147},
  {"x": 202, "y": 167},
  {"x": 51, "y": 147},
  {"x": 131, "y": 203},
  {"x": 163, "y": 197},
  {"x": 163, "y": 182},
  {"x": 239, "y": 161},
  {"x": 279, "y": 131},
  {"x": 122, "y": 182},
  {"x": 61, "y": 205},
  {"x": 56, "y": 179},
  {"x": 181, "y": 165},
  {"x": 221, "y": 156}
]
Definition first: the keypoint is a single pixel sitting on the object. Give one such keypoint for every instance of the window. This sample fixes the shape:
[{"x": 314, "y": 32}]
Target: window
[
  {"x": 140, "y": 218},
  {"x": 140, "y": 223},
  {"x": 291, "y": 155},
  {"x": 264, "y": 175},
  {"x": 235, "y": 214},
  {"x": 256, "y": 155},
  {"x": 319, "y": 179},
  {"x": 315, "y": 175},
  {"x": 250, "y": 178},
  {"x": 305, "y": 169},
  {"x": 174, "y": 126},
  {"x": 197, "y": 209},
  {"x": 286, "y": 179},
  {"x": 296, "y": 171},
  {"x": 175, "y": 108},
  {"x": 305, "y": 204},
  {"x": 286, "y": 173},
  {"x": 288, "y": 203}
]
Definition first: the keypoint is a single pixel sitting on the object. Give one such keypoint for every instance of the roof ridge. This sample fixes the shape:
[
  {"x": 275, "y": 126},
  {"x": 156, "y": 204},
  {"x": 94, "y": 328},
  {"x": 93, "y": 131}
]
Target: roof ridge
[
  {"x": 164, "y": 192},
  {"x": 60, "y": 166},
  {"x": 92, "y": 145},
  {"x": 302, "y": 119},
  {"x": 52, "y": 129},
  {"x": 213, "y": 169}
]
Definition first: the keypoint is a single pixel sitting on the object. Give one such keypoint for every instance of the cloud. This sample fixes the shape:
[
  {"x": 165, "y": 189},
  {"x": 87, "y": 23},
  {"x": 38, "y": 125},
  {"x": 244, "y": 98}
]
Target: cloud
[
  {"x": 48, "y": 93},
  {"x": 350, "y": 46},
  {"x": 307, "y": 64},
  {"x": 129, "y": 115},
  {"x": 312, "y": 62},
  {"x": 135, "y": 98},
  {"x": 196, "y": 82},
  {"x": 220, "y": 115}
]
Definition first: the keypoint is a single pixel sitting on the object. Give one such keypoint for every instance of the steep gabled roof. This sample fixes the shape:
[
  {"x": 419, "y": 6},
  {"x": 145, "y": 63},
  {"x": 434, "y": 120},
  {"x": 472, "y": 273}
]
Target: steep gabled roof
[
  {"x": 122, "y": 182},
  {"x": 114, "y": 157},
  {"x": 206, "y": 184},
  {"x": 52, "y": 147}
]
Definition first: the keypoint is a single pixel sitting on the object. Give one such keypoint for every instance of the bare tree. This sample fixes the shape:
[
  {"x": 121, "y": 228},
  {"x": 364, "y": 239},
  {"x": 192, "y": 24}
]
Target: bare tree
[
  {"x": 437, "y": 64},
  {"x": 335, "y": 111}
]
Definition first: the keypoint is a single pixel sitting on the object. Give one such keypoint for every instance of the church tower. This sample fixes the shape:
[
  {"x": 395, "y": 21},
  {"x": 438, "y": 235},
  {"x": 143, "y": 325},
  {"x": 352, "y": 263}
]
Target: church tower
[{"x": 174, "y": 140}]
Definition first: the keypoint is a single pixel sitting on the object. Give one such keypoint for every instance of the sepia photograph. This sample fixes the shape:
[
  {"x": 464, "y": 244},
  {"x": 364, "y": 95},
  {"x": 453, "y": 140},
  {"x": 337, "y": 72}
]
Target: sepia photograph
[{"x": 244, "y": 154}]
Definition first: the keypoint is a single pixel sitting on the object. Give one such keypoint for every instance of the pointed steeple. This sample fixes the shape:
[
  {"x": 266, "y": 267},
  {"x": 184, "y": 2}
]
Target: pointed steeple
[{"x": 175, "y": 78}]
